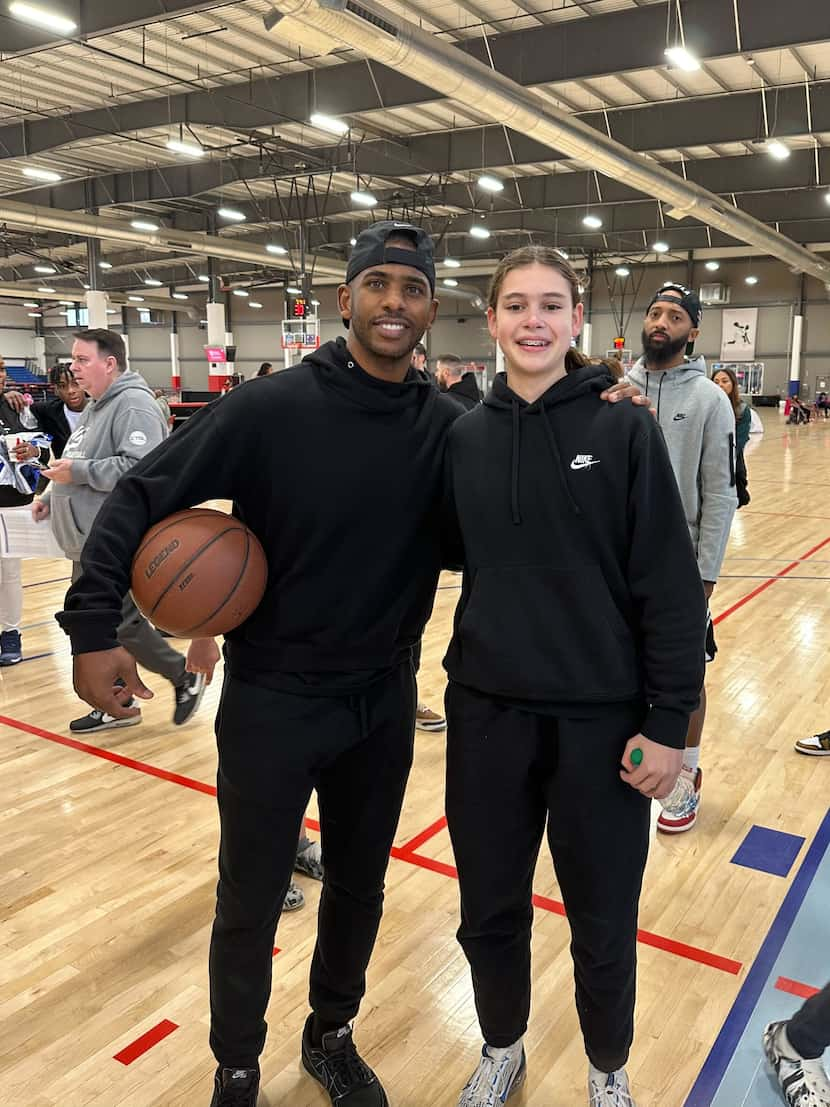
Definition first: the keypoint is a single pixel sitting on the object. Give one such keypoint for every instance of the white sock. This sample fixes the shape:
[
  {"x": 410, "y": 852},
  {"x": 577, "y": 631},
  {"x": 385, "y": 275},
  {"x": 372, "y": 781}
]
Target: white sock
[
  {"x": 691, "y": 757},
  {"x": 497, "y": 1053}
]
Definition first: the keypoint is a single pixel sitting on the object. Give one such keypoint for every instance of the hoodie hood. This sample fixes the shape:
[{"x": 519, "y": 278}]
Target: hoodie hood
[
  {"x": 578, "y": 382},
  {"x": 337, "y": 371},
  {"x": 466, "y": 390},
  {"x": 127, "y": 382}
]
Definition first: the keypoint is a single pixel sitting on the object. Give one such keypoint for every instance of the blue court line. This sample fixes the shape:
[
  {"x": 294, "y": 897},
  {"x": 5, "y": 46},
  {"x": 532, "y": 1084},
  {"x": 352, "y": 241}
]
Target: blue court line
[
  {"x": 38, "y": 583},
  {"x": 721, "y": 1053}
]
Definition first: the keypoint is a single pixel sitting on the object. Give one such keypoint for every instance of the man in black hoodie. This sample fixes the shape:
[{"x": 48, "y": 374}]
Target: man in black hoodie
[
  {"x": 319, "y": 692},
  {"x": 461, "y": 386},
  {"x": 336, "y": 465}
]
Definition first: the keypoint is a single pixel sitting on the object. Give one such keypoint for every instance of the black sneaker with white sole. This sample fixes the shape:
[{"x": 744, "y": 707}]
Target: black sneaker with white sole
[
  {"x": 188, "y": 697},
  {"x": 235, "y": 1088},
  {"x": 100, "y": 720},
  {"x": 341, "y": 1070}
]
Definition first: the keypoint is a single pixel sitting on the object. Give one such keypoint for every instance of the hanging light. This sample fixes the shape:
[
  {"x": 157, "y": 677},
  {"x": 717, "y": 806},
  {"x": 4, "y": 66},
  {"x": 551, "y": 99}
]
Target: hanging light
[
  {"x": 41, "y": 174},
  {"x": 328, "y": 123},
  {"x": 592, "y": 221},
  {"x": 713, "y": 266},
  {"x": 143, "y": 225},
  {"x": 490, "y": 184},
  {"x": 478, "y": 230},
  {"x": 682, "y": 58},
  {"x": 364, "y": 199},
  {"x": 660, "y": 247}
]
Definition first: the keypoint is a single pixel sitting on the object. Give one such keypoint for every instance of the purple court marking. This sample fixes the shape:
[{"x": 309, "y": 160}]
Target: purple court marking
[
  {"x": 720, "y": 1055},
  {"x": 768, "y": 851}
]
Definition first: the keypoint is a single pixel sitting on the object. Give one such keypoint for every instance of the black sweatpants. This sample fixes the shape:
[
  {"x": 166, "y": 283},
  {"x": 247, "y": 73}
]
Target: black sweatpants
[
  {"x": 274, "y": 748},
  {"x": 809, "y": 1028},
  {"x": 508, "y": 772}
]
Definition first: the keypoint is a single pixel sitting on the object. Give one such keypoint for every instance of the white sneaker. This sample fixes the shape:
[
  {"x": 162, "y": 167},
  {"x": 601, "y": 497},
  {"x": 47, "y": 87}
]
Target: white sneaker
[
  {"x": 803, "y": 1083},
  {"x": 609, "y": 1091},
  {"x": 495, "y": 1080}
]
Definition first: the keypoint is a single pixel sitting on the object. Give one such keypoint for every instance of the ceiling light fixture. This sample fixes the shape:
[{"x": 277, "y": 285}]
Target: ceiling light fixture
[
  {"x": 241, "y": 292},
  {"x": 660, "y": 247},
  {"x": 179, "y": 296},
  {"x": 713, "y": 266},
  {"x": 293, "y": 290},
  {"x": 272, "y": 248},
  {"x": 231, "y": 214},
  {"x": 35, "y": 314},
  {"x": 751, "y": 280},
  {"x": 143, "y": 225},
  {"x": 189, "y": 149},
  {"x": 479, "y": 231},
  {"x": 254, "y": 304},
  {"x": 105, "y": 265},
  {"x": 47, "y": 270},
  {"x": 450, "y": 282},
  {"x": 353, "y": 242},
  {"x": 39, "y": 17},
  {"x": 31, "y": 304},
  {"x": 592, "y": 221},
  {"x": 136, "y": 299},
  {"x": 203, "y": 278},
  {"x": 490, "y": 184},
  {"x": 151, "y": 282},
  {"x": 777, "y": 149},
  {"x": 364, "y": 199},
  {"x": 451, "y": 263},
  {"x": 328, "y": 123},
  {"x": 41, "y": 174},
  {"x": 623, "y": 271},
  {"x": 682, "y": 58},
  {"x": 45, "y": 290}
]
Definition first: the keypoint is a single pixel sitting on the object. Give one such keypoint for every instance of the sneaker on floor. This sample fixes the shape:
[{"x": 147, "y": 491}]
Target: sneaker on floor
[
  {"x": 427, "y": 719},
  {"x": 100, "y": 720},
  {"x": 309, "y": 861},
  {"x": 609, "y": 1091},
  {"x": 188, "y": 697},
  {"x": 235, "y": 1088},
  {"x": 803, "y": 1083},
  {"x": 341, "y": 1070},
  {"x": 496, "y": 1078},
  {"x": 11, "y": 649},
  {"x": 294, "y": 898},
  {"x": 681, "y": 805},
  {"x": 817, "y": 745}
]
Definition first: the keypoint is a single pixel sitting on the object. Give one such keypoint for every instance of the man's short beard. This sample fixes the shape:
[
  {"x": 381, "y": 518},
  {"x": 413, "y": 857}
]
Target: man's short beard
[{"x": 663, "y": 353}]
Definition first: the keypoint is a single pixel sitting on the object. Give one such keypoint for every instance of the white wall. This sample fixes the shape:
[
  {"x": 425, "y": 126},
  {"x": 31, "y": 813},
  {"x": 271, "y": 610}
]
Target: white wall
[{"x": 17, "y": 334}]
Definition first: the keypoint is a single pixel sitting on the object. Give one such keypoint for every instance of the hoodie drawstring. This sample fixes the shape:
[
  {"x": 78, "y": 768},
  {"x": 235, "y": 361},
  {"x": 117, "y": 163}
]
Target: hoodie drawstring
[
  {"x": 514, "y": 460},
  {"x": 357, "y": 703},
  {"x": 659, "y": 393},
  {"x": 557, "y": 461}
]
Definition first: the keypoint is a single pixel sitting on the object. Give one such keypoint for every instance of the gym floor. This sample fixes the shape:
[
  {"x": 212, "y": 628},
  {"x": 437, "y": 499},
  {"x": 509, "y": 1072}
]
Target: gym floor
[{"x": 109, "y": 854}]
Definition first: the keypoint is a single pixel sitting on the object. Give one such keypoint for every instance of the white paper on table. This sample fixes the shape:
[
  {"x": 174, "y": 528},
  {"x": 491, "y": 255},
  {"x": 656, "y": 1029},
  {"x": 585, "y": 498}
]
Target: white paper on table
[{"x": 21, "y": 536}]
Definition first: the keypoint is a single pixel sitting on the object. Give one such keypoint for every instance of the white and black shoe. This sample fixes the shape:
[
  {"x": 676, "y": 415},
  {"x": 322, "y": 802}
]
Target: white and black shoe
[
  {"x": 500, "y": 1073},
  {"x": 803, "y": 1083},
  {"x": 341, "y": 1070},
  {"x": 188, "y": 697},
  {"x": 609, "y": 1089},
  {"x": 100, "y": 720},
  {"x": 235, "y": 1088}
]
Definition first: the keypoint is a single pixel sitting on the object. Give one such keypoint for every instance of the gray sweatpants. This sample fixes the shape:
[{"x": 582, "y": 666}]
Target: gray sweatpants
[{"x": 143, "y": 641}]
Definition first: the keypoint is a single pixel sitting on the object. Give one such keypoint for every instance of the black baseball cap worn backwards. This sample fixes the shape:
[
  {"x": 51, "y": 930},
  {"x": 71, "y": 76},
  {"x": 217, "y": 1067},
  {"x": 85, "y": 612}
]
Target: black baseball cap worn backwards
[
  {"x": 688, "y": 300},
  {"x": 371, "y": 249}
]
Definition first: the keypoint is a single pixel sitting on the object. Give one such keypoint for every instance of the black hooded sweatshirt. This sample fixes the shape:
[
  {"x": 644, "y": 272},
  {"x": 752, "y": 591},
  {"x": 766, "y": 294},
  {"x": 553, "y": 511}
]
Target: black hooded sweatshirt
[
  {"x": 581, "y": 588},
  {"x": 339, "y": 476},
  {"x": 466, "y": 391}
]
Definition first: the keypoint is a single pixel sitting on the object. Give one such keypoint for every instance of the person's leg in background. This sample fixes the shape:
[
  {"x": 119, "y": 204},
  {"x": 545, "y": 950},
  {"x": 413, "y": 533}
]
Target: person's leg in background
[
  {"x": 11, "y": 611},
  {"x": 425, "y": 717},
  {"x": 794, "y": 1051}
]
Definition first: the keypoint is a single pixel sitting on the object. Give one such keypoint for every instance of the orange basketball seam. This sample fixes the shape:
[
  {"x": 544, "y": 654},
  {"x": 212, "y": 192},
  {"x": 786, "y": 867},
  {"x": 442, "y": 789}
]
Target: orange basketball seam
[
  {"x": 230, "y": 594},
  {"x": 187, "y": 564},
  {"x": 197, "y": 512}
]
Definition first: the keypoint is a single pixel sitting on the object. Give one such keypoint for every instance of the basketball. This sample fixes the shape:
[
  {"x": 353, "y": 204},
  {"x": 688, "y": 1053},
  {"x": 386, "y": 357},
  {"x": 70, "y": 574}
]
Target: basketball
[{"x": 198, "y": 573}]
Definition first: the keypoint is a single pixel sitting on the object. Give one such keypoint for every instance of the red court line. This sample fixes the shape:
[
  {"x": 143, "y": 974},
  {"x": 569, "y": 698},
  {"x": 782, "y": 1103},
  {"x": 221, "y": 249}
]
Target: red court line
[
  {"x": 795, "y": 987},
  {"x": 141, "y": 1045},
  {"x": 425, "y": 835},
  {"x": 108, "y": 755},
  {"x": 399, "y": 853},
  {"x": 769, "y": 583}
]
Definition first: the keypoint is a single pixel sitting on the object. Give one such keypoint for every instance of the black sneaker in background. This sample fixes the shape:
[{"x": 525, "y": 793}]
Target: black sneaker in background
[
  {"x": 341, "y": 1070},
  {"x": 235, "y": 1088},
  {"x": 99, "y": 720},
  {"x": 188, "y": 697}
]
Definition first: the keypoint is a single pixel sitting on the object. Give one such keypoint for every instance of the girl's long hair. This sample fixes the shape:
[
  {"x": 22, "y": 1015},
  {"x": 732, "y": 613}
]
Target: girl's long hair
[
  {"x": 735, "y": 394},
  {"x": 548, "y": 256}
]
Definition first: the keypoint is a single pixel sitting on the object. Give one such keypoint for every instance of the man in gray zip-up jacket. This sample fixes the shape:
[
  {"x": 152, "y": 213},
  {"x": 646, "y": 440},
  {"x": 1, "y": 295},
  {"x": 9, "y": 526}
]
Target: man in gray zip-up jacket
[
  {"x": 121, "y": 424},
  {"x": 698, "y": 425}
]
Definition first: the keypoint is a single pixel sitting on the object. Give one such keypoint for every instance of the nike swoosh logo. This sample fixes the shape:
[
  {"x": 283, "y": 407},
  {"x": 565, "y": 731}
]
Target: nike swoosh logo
[{"x": 583, "y": 464}]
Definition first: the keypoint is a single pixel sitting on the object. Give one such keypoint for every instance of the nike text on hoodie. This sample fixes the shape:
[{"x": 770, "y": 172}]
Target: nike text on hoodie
[{"x": 580, "y": 583}]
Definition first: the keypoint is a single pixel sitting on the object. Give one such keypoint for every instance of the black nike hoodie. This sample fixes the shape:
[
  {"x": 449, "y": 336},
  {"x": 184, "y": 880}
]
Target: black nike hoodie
[
  {"x": 580, "y": 581},
  {"x": 339, "y": 476}
]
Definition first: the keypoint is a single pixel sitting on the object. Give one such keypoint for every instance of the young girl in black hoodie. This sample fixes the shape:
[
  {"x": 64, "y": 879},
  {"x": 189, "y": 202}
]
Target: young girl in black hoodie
[{"x": 574, "y": 666}]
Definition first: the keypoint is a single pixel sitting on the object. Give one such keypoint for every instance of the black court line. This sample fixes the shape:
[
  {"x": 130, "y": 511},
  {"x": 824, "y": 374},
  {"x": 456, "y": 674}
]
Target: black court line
[{"x": 40, "y": 583}]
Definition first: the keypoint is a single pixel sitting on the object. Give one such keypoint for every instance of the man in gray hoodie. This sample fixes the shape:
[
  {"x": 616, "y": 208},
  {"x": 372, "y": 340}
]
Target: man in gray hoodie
[
  {"x": 699, "y": 427},
  {"x": 121, "y": 424}
]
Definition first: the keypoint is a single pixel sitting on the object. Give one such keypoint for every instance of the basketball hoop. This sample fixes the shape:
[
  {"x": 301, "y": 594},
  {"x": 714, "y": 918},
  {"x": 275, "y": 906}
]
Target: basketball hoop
[{"x": 296, "y": 338}]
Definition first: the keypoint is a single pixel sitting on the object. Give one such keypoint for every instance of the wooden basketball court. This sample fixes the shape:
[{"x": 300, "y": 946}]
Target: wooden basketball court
[{"x": 109, "y": 861}]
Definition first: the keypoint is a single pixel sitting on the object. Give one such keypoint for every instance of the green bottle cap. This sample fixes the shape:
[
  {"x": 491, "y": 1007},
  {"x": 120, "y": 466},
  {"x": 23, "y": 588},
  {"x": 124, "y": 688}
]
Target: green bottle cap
[{"x": 637, "y": 756}]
